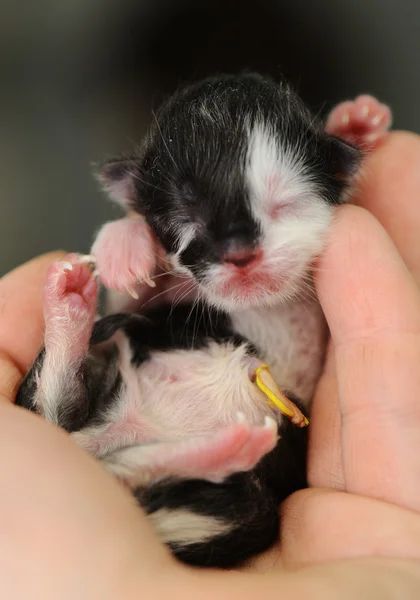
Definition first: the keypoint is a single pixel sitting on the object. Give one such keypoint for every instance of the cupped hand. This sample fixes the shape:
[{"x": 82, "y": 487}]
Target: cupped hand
[
  {"x": 364, "y": 454},
  {"x": 67, "y": 529}
]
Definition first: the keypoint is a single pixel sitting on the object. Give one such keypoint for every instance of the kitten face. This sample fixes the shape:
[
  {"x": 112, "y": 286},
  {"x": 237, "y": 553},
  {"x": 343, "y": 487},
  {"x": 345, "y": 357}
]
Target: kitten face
[{"x": 238, "y": 182}]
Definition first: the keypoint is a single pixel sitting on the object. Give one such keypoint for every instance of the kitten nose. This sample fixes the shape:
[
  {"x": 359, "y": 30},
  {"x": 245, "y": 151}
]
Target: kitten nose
[{"x": 241, "y": 258}]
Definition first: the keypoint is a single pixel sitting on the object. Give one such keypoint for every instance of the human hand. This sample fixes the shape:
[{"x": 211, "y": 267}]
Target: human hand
[
  {"x": 365, "y": 425},
  {"x": 67, "y": 530},
  {"x": 78, "y": 534}
]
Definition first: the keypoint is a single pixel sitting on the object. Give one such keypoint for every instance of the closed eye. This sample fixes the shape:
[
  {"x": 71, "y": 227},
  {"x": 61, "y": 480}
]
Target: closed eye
[{"x": 276, "y": 210}]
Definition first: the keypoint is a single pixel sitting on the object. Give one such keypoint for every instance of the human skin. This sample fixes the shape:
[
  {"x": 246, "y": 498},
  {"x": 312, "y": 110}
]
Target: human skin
[{"x": 68, "y": 530}]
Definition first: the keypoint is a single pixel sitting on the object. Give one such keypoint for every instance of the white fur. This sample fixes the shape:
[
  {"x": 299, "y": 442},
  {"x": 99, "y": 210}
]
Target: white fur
[
  {"x": 294, "y": 220},
  {"x": 184, "y": 527},
  {"x": 185, "y": 236},
  {"x": 56, "y": 378},
  {"x": 211, "y": 386},
  {"x": 277, "y": 176},
  {"x": 67, "y": 332},
  {"x": 268, "y": 157},
  {"x": 291, "y": 337}
]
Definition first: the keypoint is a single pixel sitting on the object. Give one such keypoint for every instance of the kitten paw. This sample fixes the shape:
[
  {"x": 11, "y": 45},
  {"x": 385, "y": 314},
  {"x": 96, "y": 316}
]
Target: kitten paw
[
  {"x": 362, "y": 122},
  {"x": 125, "y": 254},
  {"x": 70, "y": 294}
]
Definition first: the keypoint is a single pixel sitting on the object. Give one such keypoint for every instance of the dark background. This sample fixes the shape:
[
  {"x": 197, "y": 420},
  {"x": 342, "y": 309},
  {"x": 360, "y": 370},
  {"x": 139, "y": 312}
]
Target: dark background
[{"x": 79, "y": 78}]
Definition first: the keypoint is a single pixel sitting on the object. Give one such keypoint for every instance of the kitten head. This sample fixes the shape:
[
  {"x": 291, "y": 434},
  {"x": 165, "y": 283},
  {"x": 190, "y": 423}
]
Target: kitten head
[{"x": 238, "y": 181}]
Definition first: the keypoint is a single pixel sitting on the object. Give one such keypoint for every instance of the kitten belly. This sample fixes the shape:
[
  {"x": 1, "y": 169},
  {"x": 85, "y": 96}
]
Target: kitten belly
[
  {"x": 178, "y": 394},
  {"x": 291, "y": 339},
  {"x": 194, "y": 392}
]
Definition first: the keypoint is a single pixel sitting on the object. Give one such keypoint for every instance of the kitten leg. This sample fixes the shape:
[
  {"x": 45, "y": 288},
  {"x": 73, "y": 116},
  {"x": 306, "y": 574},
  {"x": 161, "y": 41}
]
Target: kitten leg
[
  {"x": 69, "y": 309},
  {"x": 212, "y": 457}
]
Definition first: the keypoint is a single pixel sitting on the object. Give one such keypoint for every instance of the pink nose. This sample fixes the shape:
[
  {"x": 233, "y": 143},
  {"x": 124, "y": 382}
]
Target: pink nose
[{"x": 241, "y": 258}]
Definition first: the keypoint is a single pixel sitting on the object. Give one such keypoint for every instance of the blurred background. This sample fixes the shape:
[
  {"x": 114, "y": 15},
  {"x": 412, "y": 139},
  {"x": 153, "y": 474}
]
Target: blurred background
[{"x": 79, "y": 79}]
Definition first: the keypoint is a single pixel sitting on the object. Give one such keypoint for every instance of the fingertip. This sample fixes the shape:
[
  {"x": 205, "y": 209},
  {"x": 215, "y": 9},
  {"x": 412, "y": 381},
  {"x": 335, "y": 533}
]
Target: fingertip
[
  {"x": 389, "y": 187},
  {"x": 399, "y": 151},
  {"x": 389, "y": 171},
  {"x": 362, "y": 282}
]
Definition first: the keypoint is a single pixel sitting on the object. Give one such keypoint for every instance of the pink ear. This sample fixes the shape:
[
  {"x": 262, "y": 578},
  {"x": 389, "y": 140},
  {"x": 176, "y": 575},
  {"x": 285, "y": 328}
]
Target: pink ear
[{"x": 117, "y": 178}]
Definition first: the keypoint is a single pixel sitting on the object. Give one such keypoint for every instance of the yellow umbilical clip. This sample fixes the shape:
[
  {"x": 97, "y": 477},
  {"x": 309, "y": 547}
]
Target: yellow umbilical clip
[{"x": 277, "y": 398}]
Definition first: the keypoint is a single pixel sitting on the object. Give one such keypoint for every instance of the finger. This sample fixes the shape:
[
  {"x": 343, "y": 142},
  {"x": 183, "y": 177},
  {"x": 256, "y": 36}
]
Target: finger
[
  {"x": 372, "y": 306},
  {"x": 320, "y": 526},
  {"x": 21, "y": 318},
  {"x": 10, "y": 378},
  {"x": 390, "y": 190},
  {"x": 325, "y": 468},
  {"x": 367, "y": 579}
]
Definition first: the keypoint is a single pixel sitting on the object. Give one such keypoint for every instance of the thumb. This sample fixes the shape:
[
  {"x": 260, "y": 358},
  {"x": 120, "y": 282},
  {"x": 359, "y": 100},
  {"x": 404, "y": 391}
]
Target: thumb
[
  {"x": 21, "y": 320},
  {"x": 372, "y": 306}
]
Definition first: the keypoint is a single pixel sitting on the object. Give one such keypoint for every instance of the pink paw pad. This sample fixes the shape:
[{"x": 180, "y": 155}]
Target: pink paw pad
[
  {"x": 125, "y": 254},
  {"x": 70, "y": 294},
  {"x": 363, "y": 122}
]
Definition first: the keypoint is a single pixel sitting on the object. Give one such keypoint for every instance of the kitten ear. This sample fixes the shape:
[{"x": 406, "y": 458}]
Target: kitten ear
[
  {"x": 117, "y": 178},
  {"x": 343, "y": 159}
]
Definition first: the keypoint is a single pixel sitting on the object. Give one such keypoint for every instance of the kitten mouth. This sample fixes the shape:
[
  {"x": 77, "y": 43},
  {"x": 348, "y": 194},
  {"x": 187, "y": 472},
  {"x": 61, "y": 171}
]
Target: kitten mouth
[
  {"x": 249, "y": 290},
  {"x": 257, "y": 280}
]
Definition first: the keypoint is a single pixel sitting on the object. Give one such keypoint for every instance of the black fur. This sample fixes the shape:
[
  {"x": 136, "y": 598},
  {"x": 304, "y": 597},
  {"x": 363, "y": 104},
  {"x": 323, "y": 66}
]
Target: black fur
[
  {"x": 249, "y": 501},
  {"x": 192, "y": 164},
  {"x": 246, "y": 501}
]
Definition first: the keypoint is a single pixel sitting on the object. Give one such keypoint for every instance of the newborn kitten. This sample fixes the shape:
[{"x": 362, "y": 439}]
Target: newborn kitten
[{"x": 232, "y": 192}]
